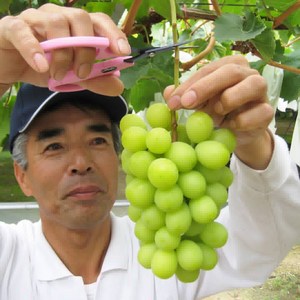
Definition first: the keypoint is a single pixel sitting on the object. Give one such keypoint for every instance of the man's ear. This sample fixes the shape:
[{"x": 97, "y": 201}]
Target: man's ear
[{"x": 22, "y": 179}]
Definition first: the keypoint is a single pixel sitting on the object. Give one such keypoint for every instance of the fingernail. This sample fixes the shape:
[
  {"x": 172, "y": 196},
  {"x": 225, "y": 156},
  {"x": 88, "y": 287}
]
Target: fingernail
[
  {"x": 189, "y": 98},
  {"x": 40, "y": 62},
  {"x": 174, "y": 102},
  {"x": 124, "y": 46},
  {"x": 59, "y": 75},
  {"x": 84, "y": 70}
]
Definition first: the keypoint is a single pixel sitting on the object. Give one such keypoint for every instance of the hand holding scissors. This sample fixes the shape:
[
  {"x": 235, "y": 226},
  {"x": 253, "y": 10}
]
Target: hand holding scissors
[{"x": 108, "y": 64}]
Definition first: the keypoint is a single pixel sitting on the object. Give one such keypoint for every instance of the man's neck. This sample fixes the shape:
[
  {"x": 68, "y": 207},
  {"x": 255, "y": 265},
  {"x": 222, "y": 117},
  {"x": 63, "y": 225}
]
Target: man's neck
[{"x": 82, "y": 251}]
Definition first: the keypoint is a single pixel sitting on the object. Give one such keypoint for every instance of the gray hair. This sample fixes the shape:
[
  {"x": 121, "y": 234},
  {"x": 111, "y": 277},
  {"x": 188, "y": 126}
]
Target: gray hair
[
  {"x": 19, "y": 154},
  {"x": 19, "y": 150}
]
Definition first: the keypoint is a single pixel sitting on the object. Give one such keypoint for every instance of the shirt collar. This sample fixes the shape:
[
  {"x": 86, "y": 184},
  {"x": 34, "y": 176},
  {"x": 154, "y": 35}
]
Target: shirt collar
[{"x": 48, "y": 265}]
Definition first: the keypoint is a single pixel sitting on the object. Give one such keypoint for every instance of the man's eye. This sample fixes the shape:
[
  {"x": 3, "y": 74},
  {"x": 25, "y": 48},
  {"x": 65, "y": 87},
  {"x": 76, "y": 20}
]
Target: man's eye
[
  {"x": 53, "y": 147},
  {"x": 99, "y": 141}
]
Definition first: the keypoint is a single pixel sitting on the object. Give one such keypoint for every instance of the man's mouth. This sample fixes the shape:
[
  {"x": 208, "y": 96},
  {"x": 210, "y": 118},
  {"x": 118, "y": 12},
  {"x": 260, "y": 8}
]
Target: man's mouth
[{"x": 87, "y": 192}]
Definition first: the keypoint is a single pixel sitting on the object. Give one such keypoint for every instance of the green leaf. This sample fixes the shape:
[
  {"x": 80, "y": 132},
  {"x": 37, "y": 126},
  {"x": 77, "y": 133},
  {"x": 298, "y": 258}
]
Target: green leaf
[
  {"x": 4, "y": 5},
  {"x": 142, "y": 93},
  {"x": 131, "y": 75},
  {"x": 105, "y": 7},
  {"x": 230, "y": 27},
  {"x": 265, "y": 44},
  {"x": 290, "y": 85},
  {"x": 280, "y": 5},
  {"x": 236, "y": 6},
  {"x": 5, "y": 112}
]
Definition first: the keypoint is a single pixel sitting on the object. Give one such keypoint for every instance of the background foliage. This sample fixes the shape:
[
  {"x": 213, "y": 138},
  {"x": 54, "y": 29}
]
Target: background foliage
[{"x": 269, "y": 30}]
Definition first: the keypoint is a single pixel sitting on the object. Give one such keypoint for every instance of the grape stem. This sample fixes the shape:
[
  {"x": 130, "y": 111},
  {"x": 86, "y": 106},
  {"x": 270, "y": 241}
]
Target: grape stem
[{"x": 176, "y": 64}]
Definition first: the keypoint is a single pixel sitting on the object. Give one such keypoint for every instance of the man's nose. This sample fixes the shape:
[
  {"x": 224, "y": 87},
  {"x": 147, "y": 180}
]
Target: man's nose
[{"x": 80, "y": 162}]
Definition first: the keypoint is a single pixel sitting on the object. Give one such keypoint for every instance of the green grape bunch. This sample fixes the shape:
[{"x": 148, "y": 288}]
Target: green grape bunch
[{"x": 176, "y": 190}]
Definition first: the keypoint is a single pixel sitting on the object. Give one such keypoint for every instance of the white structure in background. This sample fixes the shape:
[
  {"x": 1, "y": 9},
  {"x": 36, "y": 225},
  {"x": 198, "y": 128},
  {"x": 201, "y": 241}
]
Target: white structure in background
[{"x": 274, "y": 77}]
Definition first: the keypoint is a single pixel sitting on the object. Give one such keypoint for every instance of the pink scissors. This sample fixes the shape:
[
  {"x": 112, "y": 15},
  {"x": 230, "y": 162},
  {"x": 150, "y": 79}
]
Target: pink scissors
[{"x": 109, "y": 64}]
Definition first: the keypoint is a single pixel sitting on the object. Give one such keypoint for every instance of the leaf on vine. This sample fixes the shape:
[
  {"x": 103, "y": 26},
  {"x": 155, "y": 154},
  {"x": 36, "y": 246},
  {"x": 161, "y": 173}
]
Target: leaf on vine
[
  {"x": 265, "y": 44},
  {"x": 104, "y": 7},
  {"x": 142, "y": 92},
  {"x": 230, "y": 27},
  {"x": 279, "y": 5},
  {"x": 290, "y": 86}
]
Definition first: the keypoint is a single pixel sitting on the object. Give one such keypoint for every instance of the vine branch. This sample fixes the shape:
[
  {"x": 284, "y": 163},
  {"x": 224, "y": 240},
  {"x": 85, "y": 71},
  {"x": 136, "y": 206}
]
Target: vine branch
[
  {"x": 280, "y": 19},
  {"x": 277, "y": 64},
  {"x": 186, "y": 66},
  {"x": 130, "y": 18},
  {"x": 216, "y": 7},
  {"x": 176, "y": 65}
]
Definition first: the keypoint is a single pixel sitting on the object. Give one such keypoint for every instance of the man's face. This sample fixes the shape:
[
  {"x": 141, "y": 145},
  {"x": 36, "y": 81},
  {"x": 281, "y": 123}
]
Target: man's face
[{"x": 72, "y": 167}]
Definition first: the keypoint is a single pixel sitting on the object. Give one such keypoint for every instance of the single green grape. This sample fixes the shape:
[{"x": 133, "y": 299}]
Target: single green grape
[
  {"x": 166, "y": 240},
  {"x": 199, "y": 126},
  {"x": 224, "y": 136},
  {"x": 192, "y": 184},
  {"x": 170, "y": 199},
  {"x": 212, "y": 154},
  {"x": 226, "y": 177},
  {"x": 189, "y": 255},
  {"x": 144, "y": 233},
  {"x": 186, "y": 276},
  {"x": 134, "y": 139},
  {"x": 164, "y": 263},
  {"x": 158, "y": 140},
  {"x": 125, "y": 157},
  {"x": 145, "y": 254},
  {"x": 140, "y": 193},
  {"x": 210, "y": 257},
  {"x": 214, "y": 235},
  {"x": 179, "y": 221},
  {"x": 162, "y": 173},
  {"x": 183, "y": 155},
  {"x": 159, "y": 115},
  {"x": 139, "y": 163},
  {"x": 210, "y": 175},
  {"x": 203, "y": 209},
  {"x": 218, "y": 192},
  {"x": 153, "y": 217},
  {"x": 134, "y": 213},
  {"x": 130, "y": 120}
]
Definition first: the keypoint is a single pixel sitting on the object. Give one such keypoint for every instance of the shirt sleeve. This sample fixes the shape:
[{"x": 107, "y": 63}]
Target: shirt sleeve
[{"x": 263, "y": 221}]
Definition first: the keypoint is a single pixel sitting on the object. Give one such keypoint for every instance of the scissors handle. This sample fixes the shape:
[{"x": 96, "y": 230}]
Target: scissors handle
[{"x": 110, "y": 66}]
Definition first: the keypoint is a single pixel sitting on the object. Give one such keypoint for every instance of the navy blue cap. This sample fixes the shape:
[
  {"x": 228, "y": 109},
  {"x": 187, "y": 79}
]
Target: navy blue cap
[{"x": 32, "y": 99}]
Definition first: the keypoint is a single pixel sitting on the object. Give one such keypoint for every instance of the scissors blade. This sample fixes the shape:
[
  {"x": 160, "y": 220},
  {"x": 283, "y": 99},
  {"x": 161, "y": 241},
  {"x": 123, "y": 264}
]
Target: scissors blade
[{"x": 150, "y": 52}]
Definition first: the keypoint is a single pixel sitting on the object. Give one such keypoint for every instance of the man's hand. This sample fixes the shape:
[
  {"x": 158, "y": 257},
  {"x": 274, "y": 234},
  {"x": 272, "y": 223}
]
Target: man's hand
[
  {"x": 22, "y": 58},
  {"x": 236, "y": 97}
]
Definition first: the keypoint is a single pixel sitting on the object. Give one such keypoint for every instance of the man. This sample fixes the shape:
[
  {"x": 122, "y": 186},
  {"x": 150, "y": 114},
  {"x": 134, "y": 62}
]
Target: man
[{"x": 64, "y": 147}]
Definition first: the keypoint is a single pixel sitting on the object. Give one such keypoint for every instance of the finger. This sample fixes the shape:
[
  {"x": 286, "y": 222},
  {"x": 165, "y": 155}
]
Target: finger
[
  {"x": 49, "y": 26},
  {"x": 23, "y": 41},
  {"x": 252, "y": 88},
  {"x": 79, "y": 24},
  {"x": 186, "y": 96},
  {"x": 214, "y": 84},
  {"x": 104, "y": 26},
  {"x": 255, "y": 116},
  {"x": 106, "y": 85}
]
